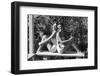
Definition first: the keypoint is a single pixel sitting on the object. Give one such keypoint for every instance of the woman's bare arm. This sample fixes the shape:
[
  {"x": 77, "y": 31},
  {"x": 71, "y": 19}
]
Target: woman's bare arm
[
  {"x": 44, "y": 41},
  {"x": 61, "y": 41},
  {"x": 67, "y": 40},
  {"x": 54, "y": 32}
]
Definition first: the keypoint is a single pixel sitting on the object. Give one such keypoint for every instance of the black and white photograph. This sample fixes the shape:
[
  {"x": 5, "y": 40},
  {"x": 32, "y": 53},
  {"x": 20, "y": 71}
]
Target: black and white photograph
[
  {"x": 53, "y": 37},
  {"x": 57, "y": 37}
]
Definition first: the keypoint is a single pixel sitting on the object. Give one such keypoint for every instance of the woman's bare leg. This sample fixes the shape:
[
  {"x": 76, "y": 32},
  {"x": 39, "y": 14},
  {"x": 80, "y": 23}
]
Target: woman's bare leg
[
  {"x": 39, "y": 49},
  {"x": 75, "y": 47},
  {"x": 51, "y": 48}
]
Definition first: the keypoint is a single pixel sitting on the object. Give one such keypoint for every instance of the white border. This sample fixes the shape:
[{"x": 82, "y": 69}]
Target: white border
[{"x": 26, "y": 65}]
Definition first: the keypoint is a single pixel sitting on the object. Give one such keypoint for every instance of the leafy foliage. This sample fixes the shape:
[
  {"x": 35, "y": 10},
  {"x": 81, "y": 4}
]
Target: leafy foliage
[{"x": 75, "y": 26}]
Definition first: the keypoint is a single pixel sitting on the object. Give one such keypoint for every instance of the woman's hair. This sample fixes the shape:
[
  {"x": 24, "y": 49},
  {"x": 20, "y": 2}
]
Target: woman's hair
[{"x": 55, "y": 27}]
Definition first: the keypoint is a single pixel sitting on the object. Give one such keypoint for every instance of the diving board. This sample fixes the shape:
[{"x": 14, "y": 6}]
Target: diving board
[{"x": 58, "y": 54}]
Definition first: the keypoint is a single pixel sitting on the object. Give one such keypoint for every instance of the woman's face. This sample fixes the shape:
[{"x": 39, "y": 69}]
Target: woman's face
[{"x": 59, "y": 27}]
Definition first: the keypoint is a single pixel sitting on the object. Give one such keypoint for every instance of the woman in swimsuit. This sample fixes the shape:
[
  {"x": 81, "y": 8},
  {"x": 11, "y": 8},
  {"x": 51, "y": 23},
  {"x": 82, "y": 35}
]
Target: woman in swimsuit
[
  {"x": 49, "y": 42},
  {"x": 63, "y": 45}
]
